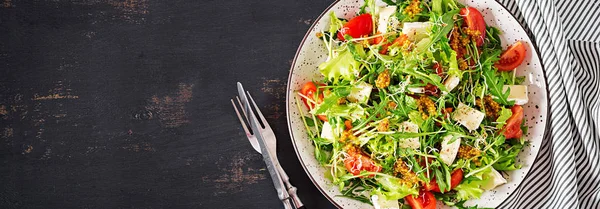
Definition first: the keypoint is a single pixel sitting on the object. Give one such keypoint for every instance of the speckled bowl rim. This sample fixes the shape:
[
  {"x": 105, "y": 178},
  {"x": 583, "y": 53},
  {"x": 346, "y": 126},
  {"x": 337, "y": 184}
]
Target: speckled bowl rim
[{"x": 308, "y": 33}]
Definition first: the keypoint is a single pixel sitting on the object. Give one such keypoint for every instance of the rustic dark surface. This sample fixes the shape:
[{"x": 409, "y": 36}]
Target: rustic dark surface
[{"x": 125, "y": 103}]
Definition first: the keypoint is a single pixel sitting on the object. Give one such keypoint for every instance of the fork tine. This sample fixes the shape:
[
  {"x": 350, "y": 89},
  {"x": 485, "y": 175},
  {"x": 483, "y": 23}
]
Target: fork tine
[
  {"x": 240, "y": 117},
  {"x": 262, "y": 118},
  {"x": 243, "y": 109}
]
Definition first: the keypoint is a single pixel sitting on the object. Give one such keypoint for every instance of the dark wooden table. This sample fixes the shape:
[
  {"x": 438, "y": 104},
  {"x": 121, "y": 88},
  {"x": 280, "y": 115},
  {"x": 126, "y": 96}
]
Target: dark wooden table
[{"x": 125, "y": 103}]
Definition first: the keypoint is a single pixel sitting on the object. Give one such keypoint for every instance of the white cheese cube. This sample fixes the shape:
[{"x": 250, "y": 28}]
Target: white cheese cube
[
  {"x": 449, "y": 149},
  {"x": 467, "y": 116},
  {"x": 495, "y": 179},
  {"x": 518, "y": 93},
  {"x": 383, "y": 203},
  {"x": 416, "y": 90},
  {"x": 387, "y": 20},
  {"x": 327, "y": 132},
  {"x": 416, "y": 30},
  {"x": 451, "y": 82},
  {"x": 409, "y": 127},
  {"x": 360, "y": 93}
]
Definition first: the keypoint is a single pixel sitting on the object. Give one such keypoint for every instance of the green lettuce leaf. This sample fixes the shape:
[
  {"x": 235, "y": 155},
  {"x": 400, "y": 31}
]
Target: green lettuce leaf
[
  {"x": 470, "y": 188},
  {"x": 393, "y": 189},
  {"x": 504, "y": 115},
  {"x": 342, "y": 67},
  {"x": 334, "y": 23},
  {"x": 453, "y": 65}
]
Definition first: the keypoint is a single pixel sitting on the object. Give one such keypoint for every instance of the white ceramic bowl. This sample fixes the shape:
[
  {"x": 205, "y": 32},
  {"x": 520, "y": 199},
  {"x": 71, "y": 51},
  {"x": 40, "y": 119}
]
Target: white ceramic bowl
[{"x": 312, "y": 52}]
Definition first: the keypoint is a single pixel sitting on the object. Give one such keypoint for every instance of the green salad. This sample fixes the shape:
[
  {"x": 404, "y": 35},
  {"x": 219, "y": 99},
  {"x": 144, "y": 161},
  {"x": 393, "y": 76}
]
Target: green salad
[{"x": 419, "y": 103}]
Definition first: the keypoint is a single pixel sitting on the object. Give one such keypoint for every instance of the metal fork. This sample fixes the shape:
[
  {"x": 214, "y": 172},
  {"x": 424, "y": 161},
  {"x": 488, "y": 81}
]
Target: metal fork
[{"x": 271, "y": 141}]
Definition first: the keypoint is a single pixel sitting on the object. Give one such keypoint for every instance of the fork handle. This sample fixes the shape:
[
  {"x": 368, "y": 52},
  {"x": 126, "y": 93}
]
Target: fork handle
[
  {"x": 286, "y": 204},
  {"x": 294, "y": 196}
]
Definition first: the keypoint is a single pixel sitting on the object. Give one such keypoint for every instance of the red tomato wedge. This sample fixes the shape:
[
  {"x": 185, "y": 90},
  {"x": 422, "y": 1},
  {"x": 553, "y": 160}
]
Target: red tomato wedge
[
  {"x": 379, "y": 40},
  {"x": 308, "y": 90},
  {"x": 455, "y": 179},
  {"x": 512, "y": 57},
  {"x": 357, "y": 161},
  {"x": 474, "y": 21},
  {"x": 438, "y": 69},
  {"x": 348, "y": 124},
  {"x": 359, "y": 26},
  {"x": 400, "y": 40},
  {"x": 512, "y": 129},
  {"x": 425, "y": 200}
]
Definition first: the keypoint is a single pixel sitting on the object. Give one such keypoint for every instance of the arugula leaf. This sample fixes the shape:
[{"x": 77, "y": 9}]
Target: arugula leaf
[
  {"x": 492, "y": 80},
  {"x": 309, "y": 121},
  {"x": 390, "y": 2},
  {"x": 403, "y": 135},
  {"x": 508, "y": 157},
  {"x": 460, "y": 205},
  {"x": 357, "y": 52},
  {"x": 360, "y": 198},
  {"x": 328, "y": 102},
  {"x": 416, "y": 118},
  {"x": 493, "y": 38},
  {"x": 411, "y": 69},
  {"x": 370, "y": 4},
  {"x": 342, "y": 91},
  {"x": 376, "y": 111},
  {"x": 321, "y": 141},
  {"x": 450, "y": 199},
  {"x": 508, "y": 78},
  {"x": 439, "y": 29},
  {"x": 322, "y": 156},
  {"x": 489, "y": 57},
  {"x": 441, "y": 180},
  {"x": 354, "y": 191}
]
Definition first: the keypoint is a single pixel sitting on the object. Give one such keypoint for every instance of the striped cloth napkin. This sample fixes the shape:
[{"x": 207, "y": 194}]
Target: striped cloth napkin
[{"x": 566, "y": 173}]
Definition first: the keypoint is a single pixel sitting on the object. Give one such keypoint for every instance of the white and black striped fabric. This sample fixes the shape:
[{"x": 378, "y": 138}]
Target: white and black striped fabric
[{"x": 567, "y": 171}]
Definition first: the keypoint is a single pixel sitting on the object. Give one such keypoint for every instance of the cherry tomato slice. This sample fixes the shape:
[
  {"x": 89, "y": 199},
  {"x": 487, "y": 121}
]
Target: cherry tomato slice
[
  {"x": 359, "y": 26},
  {"x": 379, "y": 40},
  {"x": 512, "y": 129},
  {"x": 438, "y": 69},
  {"x": 455, "y": 178},
  {"x": 431, "y": 90},
  {"x": 512, "y": 57},
  {"x": 425, "y": 200},
  {"x": 357, "y": 161},
  {"x": 308, "y": 90},
  {"x": 474, "y": 21}
]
